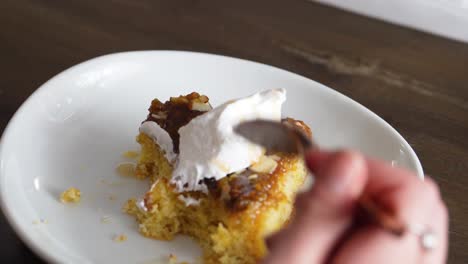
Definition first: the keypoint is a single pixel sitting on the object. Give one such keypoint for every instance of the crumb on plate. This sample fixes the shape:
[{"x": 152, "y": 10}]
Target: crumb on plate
[
  {"x": 71, "y": 195},
  {"x": 120, "y": 238},
  {"x": 126, "y": 169},
  {"x": 172, "y": 259}
]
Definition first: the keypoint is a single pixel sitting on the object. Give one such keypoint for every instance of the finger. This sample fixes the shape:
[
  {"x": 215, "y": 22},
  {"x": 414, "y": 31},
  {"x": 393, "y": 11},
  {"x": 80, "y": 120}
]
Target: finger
[
  {"x": 413, "y": 203},
  {"x": 372, "y": 244},
  {"x": 316, "y": 158},
  {"x": 439, "y": 214},
  {"x": 386, "y": 176},
  {"x": 324, "y": 213}
]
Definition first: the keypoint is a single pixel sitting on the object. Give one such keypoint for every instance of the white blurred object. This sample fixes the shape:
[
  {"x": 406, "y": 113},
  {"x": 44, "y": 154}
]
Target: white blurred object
[{"x": 448, "y": 18}]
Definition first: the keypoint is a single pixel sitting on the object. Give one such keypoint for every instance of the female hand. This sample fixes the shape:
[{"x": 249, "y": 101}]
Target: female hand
[{"x": 324, "y": 228}]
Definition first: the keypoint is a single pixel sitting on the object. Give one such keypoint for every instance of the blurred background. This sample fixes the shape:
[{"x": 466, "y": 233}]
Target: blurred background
[
  {"x": 405, "y": 60},
  {"x": 448, "y": 18}
]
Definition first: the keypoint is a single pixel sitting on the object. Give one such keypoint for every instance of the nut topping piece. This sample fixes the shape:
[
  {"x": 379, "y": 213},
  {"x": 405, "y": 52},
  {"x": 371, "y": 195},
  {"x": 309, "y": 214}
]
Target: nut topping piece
[{"x": 265, "y": 164}]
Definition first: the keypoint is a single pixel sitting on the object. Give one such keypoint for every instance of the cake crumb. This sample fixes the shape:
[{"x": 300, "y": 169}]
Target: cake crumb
[
  {"x": 130, "y": 154},
  {"x": 112, "y": 197},
  {"x": 172, "y": 259},
  {"x": 120, "y": 238},
  {"x": 126, "y": 169},
  {"x": 71, "y": 195}
]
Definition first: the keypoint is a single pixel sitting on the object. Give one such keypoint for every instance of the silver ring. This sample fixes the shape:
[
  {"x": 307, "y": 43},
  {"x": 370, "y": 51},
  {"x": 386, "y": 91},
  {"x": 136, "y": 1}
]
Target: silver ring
[{"x": 427, "y": 238}]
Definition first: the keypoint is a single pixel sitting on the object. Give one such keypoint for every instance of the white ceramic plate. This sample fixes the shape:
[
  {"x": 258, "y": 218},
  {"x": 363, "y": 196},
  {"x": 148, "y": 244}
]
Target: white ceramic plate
[{"x": 73, "y": 129}]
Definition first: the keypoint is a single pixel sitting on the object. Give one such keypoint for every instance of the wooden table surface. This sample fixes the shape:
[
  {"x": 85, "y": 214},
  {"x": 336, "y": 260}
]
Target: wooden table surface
[{"x": 415, "y": 81}]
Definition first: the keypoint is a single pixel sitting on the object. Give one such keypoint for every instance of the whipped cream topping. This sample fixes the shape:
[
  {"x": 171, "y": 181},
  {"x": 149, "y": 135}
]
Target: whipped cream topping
[
  {"x": 159, "y": 135},
  {"x": 140, "y": 203},
  {"x": 209, "y": 147}
]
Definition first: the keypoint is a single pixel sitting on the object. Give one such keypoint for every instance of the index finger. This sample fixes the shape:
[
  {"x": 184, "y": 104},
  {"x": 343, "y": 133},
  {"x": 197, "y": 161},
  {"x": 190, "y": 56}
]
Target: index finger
[
  {"x": 394, "y": 189},
  {"x": 384, "y": 176}
]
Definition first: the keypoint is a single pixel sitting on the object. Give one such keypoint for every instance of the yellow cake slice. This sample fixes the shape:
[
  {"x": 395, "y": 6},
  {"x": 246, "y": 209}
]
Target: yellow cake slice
[{"x": 231, "y": 219}]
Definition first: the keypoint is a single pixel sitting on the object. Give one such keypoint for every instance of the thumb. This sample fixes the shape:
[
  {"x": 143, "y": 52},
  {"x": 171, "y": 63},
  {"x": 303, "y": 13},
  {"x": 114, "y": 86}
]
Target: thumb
[{"x": 324, "y": 213}]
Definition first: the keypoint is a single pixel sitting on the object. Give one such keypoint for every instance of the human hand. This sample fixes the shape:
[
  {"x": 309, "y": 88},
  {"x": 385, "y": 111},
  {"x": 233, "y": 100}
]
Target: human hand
[{"x": 324, "y": 229}]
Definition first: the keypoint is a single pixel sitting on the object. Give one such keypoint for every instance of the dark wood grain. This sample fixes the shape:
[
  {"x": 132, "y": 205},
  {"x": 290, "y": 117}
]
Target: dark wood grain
[{"x": 415, "y": 81}]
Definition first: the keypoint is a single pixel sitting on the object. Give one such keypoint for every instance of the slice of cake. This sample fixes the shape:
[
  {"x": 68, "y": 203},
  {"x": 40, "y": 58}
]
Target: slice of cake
[{"x": 213, "y": 185}]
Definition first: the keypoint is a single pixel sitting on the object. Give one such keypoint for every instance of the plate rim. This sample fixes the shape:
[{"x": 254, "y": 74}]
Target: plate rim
[{"x": 51, "y": 257}]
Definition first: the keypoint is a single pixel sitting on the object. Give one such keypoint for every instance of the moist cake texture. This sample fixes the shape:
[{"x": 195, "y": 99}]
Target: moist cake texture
[{"x": 231, "y": 219}]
